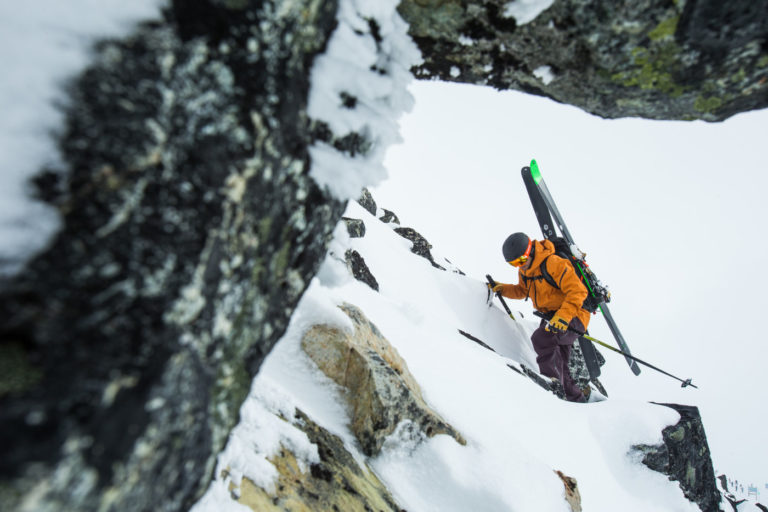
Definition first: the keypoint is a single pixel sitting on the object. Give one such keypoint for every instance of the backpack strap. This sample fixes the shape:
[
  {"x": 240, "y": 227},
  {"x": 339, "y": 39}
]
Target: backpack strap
[{"x": 547, "y": 276}]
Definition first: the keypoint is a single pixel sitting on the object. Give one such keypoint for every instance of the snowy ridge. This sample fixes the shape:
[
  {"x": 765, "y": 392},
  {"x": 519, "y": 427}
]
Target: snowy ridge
[
  {"x": 359, "y": 87},
  {"x": 518, "y": 434}
]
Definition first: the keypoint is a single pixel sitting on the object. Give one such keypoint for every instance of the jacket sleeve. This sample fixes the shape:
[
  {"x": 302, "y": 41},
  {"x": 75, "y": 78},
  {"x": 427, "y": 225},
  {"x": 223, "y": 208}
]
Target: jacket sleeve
[
  {"x": 514, "y": 291},
  {"x": 574, "y": 290}
]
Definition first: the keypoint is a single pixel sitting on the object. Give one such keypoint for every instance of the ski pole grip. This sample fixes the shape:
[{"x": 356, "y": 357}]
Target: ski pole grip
[
  {"x": 498, "y": 294},
  {"x": 542, "y": 315}
]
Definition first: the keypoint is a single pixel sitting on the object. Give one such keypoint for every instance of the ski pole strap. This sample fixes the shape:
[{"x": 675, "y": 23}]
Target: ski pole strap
[
  {"x": 686, "y": 382},
  {"x": 501, "y": 299}
]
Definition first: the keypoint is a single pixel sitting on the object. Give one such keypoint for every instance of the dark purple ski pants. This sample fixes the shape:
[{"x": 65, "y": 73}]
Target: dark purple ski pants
[{"x": 552, "y": 354}]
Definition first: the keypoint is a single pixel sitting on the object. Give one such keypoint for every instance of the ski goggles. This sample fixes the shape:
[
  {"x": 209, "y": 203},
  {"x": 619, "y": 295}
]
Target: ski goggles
[{"x": 519, "y": 262}]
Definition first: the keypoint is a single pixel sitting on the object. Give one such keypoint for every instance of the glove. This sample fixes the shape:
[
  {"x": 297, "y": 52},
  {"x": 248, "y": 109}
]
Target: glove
[
  {"x": 557, "y": 325},
  {"x": 496, "y": 288}
]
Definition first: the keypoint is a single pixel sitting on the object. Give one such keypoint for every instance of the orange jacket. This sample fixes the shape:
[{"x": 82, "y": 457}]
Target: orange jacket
[{"x": 566, "y": 301}]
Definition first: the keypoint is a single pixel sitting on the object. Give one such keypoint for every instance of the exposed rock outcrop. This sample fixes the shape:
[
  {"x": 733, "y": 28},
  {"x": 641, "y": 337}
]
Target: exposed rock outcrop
[
  {"x": 191, "y": 227},
  {"x": 337, "y": 482},
  {"x": 355, "y": 227},
  {"x": 359, "y": 269},
  {"x": 420, "y": 245},
  {"x": 694, "y": 59},
  {"x": 366, "y": 201},
  {"x": 685, "y": 457},
  {"x": 389, "y": 217},
  {"x": 578, "y": 365},
  {"x": 382, "y": 394},
  {"x": 572, "y": 494}
]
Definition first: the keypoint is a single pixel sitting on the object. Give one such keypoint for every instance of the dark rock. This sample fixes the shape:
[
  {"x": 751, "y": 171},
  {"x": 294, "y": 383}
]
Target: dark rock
[
  {"x": 578, "y": 366},
  {"x": 389, "y": 217},
  {"x": 699, "y": 59},
  {"x": 685, "y": 457},
  {"x": 420, "y": 244},
  {"x": 356, "y": 265},
  {"x": 366, "y": 201},
  {"x": 723, "y": 482},
  {"x": 191, "y": 228},
  {"x": 355, "y": 227}
]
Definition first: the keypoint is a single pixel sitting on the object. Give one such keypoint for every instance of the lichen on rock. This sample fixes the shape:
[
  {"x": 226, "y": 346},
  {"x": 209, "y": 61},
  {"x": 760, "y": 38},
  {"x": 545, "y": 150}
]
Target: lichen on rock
[
  {"x": 190, "y": 230},
  {"x": 684, "y": 457},
  {"x": 335, "y": 482},
  {"x": 699, "y": 59}
]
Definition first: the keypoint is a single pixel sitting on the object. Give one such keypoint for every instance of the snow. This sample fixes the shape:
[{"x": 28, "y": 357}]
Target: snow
[
  {"x": 544, "y": 73},
  {"x": 42, "y": 45},
  {"x": 517, "y": 433},
  {"x": 525, "y": 11},
  {"x": 373, "y": 72},
  {"x": 640, "y": 197}
]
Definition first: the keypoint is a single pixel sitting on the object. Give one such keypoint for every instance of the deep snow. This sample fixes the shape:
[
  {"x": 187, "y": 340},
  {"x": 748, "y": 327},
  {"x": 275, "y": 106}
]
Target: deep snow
[{"x": 518, "y": 434}]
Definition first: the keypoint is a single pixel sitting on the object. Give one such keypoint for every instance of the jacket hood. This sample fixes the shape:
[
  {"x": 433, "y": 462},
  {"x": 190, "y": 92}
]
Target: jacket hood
[{"x": 543, "y": 249}]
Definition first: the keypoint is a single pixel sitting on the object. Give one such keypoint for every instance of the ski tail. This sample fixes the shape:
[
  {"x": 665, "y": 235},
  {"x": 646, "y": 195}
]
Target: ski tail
[{"x": 619, "y": 338}]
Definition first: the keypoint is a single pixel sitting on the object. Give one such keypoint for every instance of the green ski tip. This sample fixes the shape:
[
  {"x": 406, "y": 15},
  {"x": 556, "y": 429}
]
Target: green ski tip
[{"x": 535, "y": 172}]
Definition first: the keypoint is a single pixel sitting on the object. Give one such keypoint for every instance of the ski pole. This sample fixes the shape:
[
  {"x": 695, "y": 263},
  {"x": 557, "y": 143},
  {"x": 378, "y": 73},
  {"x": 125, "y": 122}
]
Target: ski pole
[
  {"x": 686, "y": 382},
  {"x": 503, "y": 302}
]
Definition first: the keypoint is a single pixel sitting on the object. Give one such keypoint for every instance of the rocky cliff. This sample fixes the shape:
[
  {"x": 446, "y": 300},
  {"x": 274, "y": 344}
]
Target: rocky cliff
[
  {"x": 191, "y": 228},
  {"x": 661, "y": 59}
]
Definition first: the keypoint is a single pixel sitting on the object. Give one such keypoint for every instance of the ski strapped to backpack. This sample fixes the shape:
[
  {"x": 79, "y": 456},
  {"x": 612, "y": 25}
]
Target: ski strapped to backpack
[
  {"x": 544, "y": 207},
  {"x": 597, "y": 292}
]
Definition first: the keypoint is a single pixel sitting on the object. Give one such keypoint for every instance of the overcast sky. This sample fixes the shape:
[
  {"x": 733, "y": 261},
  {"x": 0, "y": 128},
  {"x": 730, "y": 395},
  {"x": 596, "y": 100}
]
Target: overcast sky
[{"x": 669, "y": 214}]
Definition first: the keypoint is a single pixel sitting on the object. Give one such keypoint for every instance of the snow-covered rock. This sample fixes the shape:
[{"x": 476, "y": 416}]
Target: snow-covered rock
[{"x": 381, "y": 392}]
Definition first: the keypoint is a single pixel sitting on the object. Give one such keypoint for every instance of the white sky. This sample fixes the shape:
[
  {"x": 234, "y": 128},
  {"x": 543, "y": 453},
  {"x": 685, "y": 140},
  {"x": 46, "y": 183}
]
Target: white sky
[{"x": 667, "y": 212}]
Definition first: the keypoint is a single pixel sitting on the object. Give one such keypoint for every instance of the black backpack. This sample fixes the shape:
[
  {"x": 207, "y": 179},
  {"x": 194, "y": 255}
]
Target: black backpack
[{"x": 597, "y": 292}]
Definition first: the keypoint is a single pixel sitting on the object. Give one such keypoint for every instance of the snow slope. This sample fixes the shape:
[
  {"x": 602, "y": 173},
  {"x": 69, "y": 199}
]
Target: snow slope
[{"x": 518, "y": 434}]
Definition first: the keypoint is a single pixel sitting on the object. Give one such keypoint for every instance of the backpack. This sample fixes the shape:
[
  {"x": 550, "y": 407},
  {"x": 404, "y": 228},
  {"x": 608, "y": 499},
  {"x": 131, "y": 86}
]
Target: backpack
[{"x": 597, "y": 292}]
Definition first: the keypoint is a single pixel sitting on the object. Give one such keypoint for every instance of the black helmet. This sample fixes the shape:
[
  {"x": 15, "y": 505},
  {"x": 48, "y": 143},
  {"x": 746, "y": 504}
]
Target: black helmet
[{"x": 515, "y": 246}]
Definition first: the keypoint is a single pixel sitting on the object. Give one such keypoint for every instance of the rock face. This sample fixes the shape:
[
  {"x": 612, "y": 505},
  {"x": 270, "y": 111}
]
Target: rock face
[
  {"x": 355, "y": 227},
  {"x": 660, "y": 59},
  {"x": 191, "y": 229},
  {"x": 578, "y": 365},
  {"x": 685, "y": 458},
  {"x": 420, "y": 246},
  {"x": 337, "y": 482},
  {"x": 572, "y": 494},
  {"x": 359, "y": 269},
  {"x": 382, "y": 394}
]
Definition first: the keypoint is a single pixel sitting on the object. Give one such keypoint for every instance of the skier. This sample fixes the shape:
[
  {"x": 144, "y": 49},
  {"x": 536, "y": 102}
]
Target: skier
[{"x": 562, "y": 307}]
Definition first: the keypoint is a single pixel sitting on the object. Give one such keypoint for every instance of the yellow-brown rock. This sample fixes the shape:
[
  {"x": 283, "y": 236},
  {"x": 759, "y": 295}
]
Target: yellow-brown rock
[
  {"x": 381, "y": 391},
  {"x": 337, "y": 482}
]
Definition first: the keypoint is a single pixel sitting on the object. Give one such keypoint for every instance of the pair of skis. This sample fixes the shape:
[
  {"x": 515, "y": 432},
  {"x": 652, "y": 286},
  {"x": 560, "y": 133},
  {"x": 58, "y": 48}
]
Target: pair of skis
[{"x": 544, "y": 207}]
